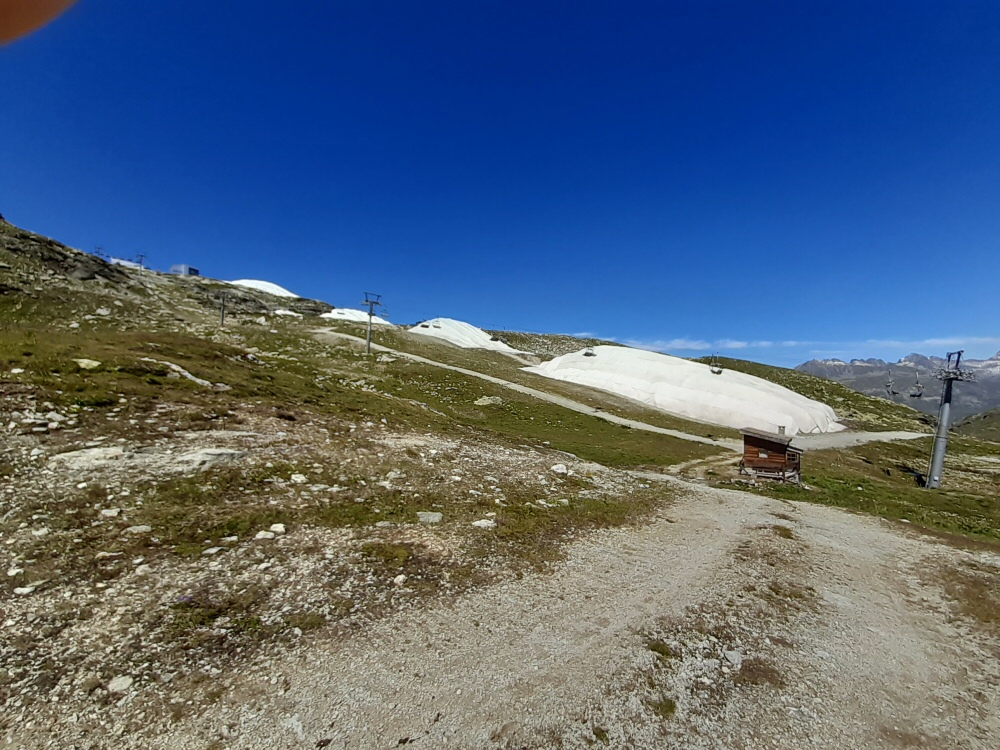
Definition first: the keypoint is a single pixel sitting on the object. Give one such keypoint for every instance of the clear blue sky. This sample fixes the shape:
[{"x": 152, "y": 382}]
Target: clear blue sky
[{"x": 774, "y": 180}]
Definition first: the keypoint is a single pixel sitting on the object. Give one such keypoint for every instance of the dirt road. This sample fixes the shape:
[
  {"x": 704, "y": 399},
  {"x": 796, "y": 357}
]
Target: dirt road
[{"x": 730, "y": 621}]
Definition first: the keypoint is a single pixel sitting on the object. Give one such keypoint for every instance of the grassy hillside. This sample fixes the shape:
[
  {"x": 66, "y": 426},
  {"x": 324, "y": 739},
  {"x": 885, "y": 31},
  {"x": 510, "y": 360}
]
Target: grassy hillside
[
  {"x": 885, "y": 479},
  {"x": 984, "y": 426},
  {"x": 549, "y": 345},
  {"x": 856, "y": 409}
]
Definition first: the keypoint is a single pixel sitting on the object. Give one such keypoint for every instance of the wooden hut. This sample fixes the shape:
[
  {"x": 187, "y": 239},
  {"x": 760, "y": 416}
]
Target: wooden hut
[{"x": 768, "y": 455}]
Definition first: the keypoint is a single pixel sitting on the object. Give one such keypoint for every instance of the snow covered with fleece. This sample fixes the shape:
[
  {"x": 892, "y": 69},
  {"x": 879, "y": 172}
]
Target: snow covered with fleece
[
  {"x": 691, "y": 390},
  {"x": 264, "y": 286},
  {"x": 461, "y": 334},
  {"x": 354, "y": 316}
]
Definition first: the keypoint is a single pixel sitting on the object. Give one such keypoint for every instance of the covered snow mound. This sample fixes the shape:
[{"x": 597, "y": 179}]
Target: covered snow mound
[
  {"x": 354, "y": 316},
  {"x": 264, "y": 286},
  {"x": 690, "y": 389},
  {"x": 461, "y": 334}
]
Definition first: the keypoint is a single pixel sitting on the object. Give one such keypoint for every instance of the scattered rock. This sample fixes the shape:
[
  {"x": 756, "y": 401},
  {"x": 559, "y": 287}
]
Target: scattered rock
[
  {"x": 86, "y": 364},
  {"x": 278, "y": 528},
  {"x": 400, "y": 579},
  {"x": 111, "y": 512},
  {"x": 488, "y": 401},
  {"x": 560, "y": 469},
  {"x": 212, "y": 550},
  {"x": 138, "y": 530},
  {"x": 429, "y": 516},
  {"x": 24, "y": 590},
  {"x": 485, "y": 523},
  {"x": 120, "y": 684},
  {"x": 208, "y": 458},
  {"x": 264, "y": 535},
  {"x": 85, "y": 459}
]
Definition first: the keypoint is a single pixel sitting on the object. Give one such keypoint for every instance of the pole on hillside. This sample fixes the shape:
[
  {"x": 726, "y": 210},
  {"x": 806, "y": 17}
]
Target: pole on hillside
[
  {"x": 141, "y": 257},
  {"x": 372, "y": 300},
  {"x": 949, "y": 374},
  {"x": 222, "y": 318}
]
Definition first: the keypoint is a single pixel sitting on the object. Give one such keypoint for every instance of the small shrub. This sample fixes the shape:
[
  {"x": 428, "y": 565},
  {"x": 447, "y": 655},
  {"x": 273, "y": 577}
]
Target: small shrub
[
  {"x": 663, "y": 650},
  {"x": 306, "y": 621},
  {"x": 663, "y": 707},
  {"x": 757, "y": 671}
]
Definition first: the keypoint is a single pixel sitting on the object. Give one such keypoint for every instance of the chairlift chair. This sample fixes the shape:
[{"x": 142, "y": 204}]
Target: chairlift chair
[
  {"x": 917, "y": 391},
  {"x": 714, "y": 367},
  {"x": 890, "y": 388},
  {"x": 589, "y": 352}
]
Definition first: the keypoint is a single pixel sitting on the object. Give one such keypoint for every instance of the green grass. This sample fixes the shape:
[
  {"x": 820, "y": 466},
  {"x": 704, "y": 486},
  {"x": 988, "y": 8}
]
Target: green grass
[
  {"x": 526, "y": 419},
  {"x": 985, "y": 426},
  {"x": 509, "y": 368},
  {"x": 880, "y": 478}
]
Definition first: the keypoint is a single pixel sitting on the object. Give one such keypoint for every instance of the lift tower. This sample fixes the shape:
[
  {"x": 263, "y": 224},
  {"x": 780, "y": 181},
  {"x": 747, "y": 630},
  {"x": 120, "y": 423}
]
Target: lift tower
[
  {"x": 372, "y": 301},
  {"x": 951, "y": 372}
]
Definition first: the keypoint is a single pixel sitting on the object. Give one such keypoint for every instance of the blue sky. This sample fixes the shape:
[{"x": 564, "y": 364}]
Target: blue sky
[{"x": 772, "y": 180}]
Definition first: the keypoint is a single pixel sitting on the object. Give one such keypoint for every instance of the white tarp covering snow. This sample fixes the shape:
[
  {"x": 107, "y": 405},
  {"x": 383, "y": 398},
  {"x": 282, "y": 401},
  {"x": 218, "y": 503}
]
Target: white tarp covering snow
[
  {"x": 461, "y": 334},
  {"x": 690, "y": 389},
  {"x": 354, "y": 316},
  {"x": 264, "y": 286}
]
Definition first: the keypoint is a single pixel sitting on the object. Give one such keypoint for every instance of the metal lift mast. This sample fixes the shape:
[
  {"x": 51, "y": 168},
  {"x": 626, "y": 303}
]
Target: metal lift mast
[
  {"x": 372, "y": 301},
  {"x": 951, "y": 372}
]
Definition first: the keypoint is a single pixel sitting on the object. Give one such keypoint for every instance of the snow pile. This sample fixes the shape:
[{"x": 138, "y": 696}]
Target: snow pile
[
  {"x": 123, "y": 262},
  {"x": 264, "y": 286},
  {"x": 354, "y": 316},
  {"x": 690, "y": 389},
  {"x": 461, "y": 334},
  {"x": 291, "y": 313}
]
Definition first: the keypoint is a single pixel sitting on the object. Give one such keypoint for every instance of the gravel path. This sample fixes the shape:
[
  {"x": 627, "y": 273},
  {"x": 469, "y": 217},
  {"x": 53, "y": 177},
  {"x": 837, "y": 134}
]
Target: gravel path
[
  {"x": 849, "y": 439},
  {"x": 842, "y": 646}
]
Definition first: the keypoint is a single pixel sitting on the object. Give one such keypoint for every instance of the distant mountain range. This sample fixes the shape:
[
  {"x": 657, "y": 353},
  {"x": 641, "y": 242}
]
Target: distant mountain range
[{"x": 872, "y": 376}]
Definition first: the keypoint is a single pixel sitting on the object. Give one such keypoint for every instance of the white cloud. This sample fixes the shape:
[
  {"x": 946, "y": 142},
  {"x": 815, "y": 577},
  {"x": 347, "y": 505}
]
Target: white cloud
[{"x": 695, "y": 345}]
